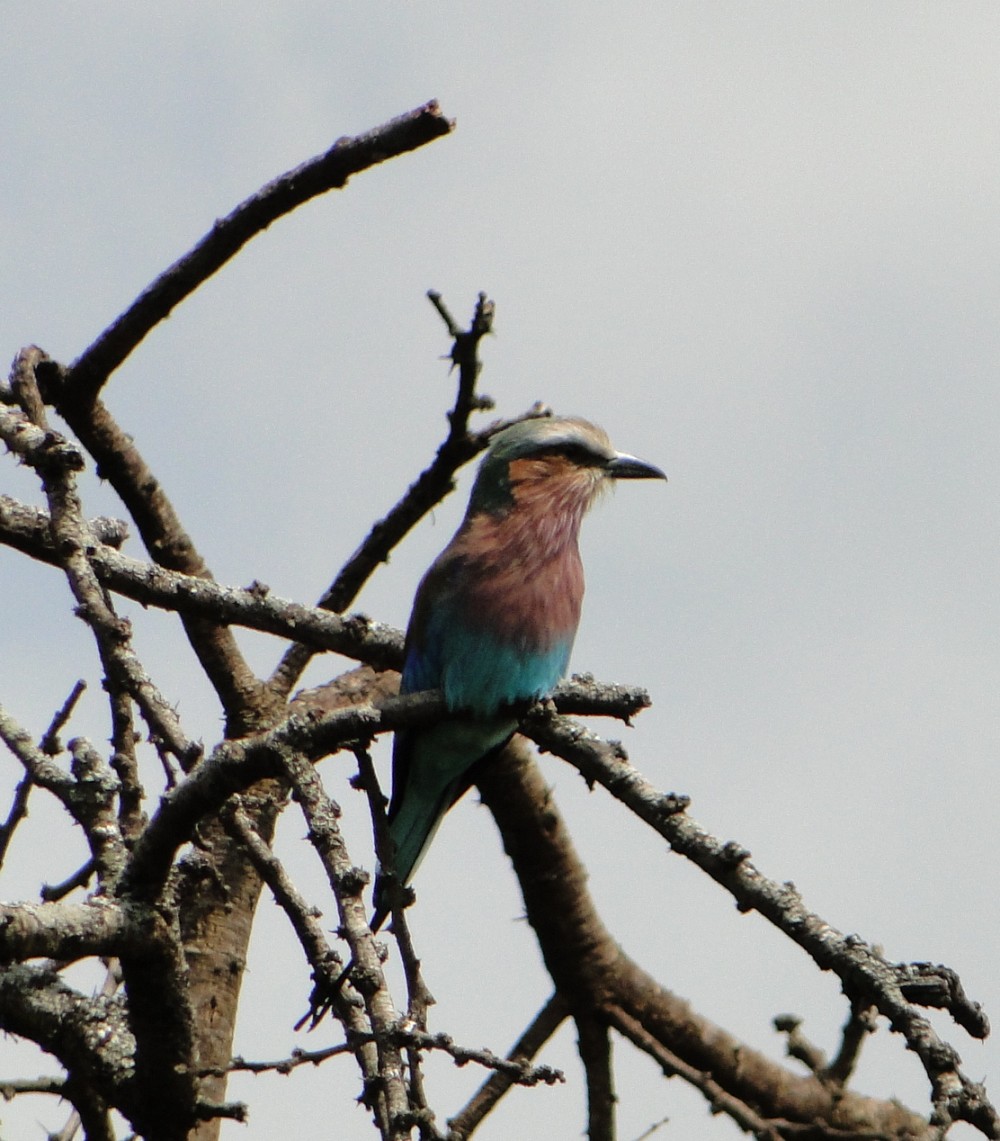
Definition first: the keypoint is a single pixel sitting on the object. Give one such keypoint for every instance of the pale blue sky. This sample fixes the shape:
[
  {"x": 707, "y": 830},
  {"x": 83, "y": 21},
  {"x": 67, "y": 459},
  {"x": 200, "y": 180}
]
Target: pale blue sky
[{"x": 758, "y": 242}]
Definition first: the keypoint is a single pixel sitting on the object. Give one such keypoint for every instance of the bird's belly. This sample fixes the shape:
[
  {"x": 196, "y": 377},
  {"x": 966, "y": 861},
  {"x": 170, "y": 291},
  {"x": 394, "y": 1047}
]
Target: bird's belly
[{"x": 481, "y": 677}]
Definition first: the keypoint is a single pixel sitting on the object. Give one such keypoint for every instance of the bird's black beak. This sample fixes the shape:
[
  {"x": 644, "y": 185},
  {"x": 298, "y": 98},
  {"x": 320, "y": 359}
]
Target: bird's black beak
[{"x": 628, "y": 467}]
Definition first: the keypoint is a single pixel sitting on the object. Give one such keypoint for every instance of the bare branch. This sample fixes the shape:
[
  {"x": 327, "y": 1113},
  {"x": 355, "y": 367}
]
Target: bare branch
[
  {"x": 49, "y": 743},
  {"x": 545, "y": 1023},
  {"x": 510, "y": 1070},
  {"x": 11, "y": 1087},
  {"x": 593, "y": 972},
  {"x": 516, "y": 1070},
  {"x": 433, "y": 484},
  {"x": 798, "y": 1046},
  {"x": 56, "y": 460},
  {"x": 324, "y": 960},
  {"x": 859, "y": 1025},
  {"x": 94, "y": 802},
  {"x": 867, "y": 977},
  {"x": 52, "y": 893},
  {"x": 594, "y": 1044},
  {"x": 328, "y": 171},
  {"x": 90, "y": 1036},
  {"x": 24, "y": 386},
  {"x": 18, "y": 812},
  {"x": 717, "y": 1096},
  {"x": 42, "y": 770},
  {"x": 119, "y": 461},
  {"x": 861, "y": 1022},
  {"x": 254, "y": 607},
  {"x": 66, "y": 932},
  {"x": 390, "y": 1102},
  {"x": 419, "y": 998},
  {"x": 28, "y": 529}
]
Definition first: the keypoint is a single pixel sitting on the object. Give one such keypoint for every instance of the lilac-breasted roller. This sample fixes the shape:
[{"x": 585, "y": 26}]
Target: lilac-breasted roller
[{"x": 494, "y": 618}]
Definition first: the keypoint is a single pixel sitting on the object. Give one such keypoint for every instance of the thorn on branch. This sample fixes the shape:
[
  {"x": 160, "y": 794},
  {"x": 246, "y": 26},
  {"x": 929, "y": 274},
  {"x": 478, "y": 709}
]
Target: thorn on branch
[{"x": 50, "y": 744}]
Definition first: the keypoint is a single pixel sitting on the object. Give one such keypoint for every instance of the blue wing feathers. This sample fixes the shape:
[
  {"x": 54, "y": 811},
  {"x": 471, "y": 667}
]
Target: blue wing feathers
[
  {"x": 478, "y": 675},
  {"x": 449, "y": 647}
]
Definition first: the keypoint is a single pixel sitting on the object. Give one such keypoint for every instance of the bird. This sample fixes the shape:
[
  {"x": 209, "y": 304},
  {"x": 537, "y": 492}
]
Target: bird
[{"x": 495, "y": 617}]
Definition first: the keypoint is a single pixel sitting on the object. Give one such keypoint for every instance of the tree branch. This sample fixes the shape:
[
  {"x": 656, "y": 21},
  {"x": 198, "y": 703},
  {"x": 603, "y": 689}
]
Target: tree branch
[
  {"x": 545, "y": 1023},
  {"x": 433, "y": 484},
  {"x": 865, "y": 974},
  {"x": 594, "y": 1044},
  {"x": 90, "y": 1036},
  {"x": 325, "y": 962},
  {"x": 594, "y": 973},
  {"x": 389, "y": 1102},
  {"x": 328, "y": 171},
  {"x": 119, "y": 461},
  {"x": 235, "y": 765},
  {"x": 66, "y": 932},
  {"x": 27, "y": 529}
]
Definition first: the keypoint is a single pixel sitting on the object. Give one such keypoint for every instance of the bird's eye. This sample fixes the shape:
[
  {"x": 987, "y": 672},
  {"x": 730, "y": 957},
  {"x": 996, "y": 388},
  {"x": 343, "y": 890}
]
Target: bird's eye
[{"x": 576, "y": 454}]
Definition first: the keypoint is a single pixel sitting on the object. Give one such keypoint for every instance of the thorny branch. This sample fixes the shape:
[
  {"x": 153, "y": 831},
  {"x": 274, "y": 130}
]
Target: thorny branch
[
  {"x": 137, "y": 1051},
  {"x": 511, "y": 1070},
  {"x": 548, "y": 1020},
  {"x": 867, "y": 977},
  {"x": 390, "y": 1101},
  {"x": 594, "y": 973}
]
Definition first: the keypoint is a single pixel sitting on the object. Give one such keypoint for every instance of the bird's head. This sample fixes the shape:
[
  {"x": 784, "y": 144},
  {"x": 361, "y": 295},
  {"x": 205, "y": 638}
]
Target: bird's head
[{"x": 556, "y": 460}]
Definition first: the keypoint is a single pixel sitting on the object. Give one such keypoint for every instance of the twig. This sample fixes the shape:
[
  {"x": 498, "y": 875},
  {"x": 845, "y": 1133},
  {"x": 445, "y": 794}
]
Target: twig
[
  {"x": 323, "y": 959},
  {"x": 798, "y": 1046},
  {"x": 254, "y": 607},
  {"x": 518, "y": 1071},
  {"x": 654, "y": 1128},
  {"x": 70, "y": 1129},
  {"x": 512, "y": 1070},
  {"x": 718, "y": 1097},
  {"x": 42, "y": 769},
  {"x": 419, "y": 998},
  {"x": 52, "y": 893},
  {"x": 49, "y": 743},
  {"x": 11, "y": 1087},
  {"x": 296, "y": 1058},
  {"x": 389, "y": 1102},
  {"x": 24, "y": 387},
  {"x": 18, "y": 811},
  {"x": 859, "y": 1025},
  {"x": 545, "y": 1023},
  {"x": 433, "y": 484}
]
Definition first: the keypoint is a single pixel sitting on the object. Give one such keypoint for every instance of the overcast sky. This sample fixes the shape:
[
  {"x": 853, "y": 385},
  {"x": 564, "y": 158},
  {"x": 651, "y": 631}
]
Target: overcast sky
[{"x": 759, "y": 243}]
